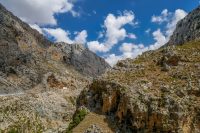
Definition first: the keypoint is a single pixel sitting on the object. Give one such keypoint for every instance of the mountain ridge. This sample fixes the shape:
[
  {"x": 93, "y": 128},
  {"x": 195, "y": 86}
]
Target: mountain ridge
[{"x": 38, "y": 87}]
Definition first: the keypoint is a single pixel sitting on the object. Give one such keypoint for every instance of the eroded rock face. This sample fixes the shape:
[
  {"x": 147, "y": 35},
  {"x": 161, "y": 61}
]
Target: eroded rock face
[{"x": 187, "y": 29}]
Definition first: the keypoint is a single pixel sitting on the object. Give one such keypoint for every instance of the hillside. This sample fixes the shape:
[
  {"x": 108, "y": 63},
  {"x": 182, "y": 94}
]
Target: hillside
[
  {"x": 158, "y": 92},
  {"x": 39, "y": 82}
]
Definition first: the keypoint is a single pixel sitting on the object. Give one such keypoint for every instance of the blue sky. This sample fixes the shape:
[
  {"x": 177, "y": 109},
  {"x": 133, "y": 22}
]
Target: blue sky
[{"x": 114, "y": 29}]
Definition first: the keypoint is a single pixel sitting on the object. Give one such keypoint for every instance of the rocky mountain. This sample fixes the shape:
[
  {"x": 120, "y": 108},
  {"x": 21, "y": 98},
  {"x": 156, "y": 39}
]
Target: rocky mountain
[
  {"x": 187, "y": 29},
  {"x": 42, "y": 89},
  {"x": 40, "y": 80},
  {"x": 158, "y": 92},
  {"x": 83, "y": 60}
]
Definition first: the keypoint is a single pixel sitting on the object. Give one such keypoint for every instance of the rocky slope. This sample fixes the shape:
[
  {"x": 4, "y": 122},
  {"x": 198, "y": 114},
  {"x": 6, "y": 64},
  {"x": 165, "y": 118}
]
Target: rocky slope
[
  {"x": 187, "y": 29},
  {"x": 40, "y": 80},
  {"x": 158, "y": 91}
]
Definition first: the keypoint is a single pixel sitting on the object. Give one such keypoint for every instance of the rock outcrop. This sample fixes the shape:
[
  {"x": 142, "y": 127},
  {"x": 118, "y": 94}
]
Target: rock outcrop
[
  {"x": 83, "y": 60},
  {"x": 188, "y": 29}
]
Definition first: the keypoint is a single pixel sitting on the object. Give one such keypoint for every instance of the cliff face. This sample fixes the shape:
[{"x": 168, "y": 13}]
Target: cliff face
[
  {"x": 83, "y": 60},
  {"x": 156, "y": 92},
  {"x": 38, "y": 85},
  {"x": 187, "y": 29}
]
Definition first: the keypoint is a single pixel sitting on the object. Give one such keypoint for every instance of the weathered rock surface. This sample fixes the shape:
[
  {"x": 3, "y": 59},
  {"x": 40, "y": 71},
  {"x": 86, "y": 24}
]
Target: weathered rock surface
[
  {"x": 83, "y": 60},
  {"x": 140, "y": 97},
  {"x": 187, "y": 29}
]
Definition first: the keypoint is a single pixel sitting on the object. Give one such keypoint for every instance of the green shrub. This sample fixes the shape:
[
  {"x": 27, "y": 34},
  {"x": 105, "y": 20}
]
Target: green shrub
[{"x": 78, "y": 117}]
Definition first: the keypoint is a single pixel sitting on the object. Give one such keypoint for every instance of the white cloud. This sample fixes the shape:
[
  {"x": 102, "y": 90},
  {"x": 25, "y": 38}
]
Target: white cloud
[
  {"x": 96, "y": 46},
  {"x": 126, "y": 47},
  {"x": 113, "y": 59},
  {"x": 130, "y": 50},
  {"x": 131, "y": 36},
  {"x": 160, "y": 40},
  {"x": 178, "y": 15},
  {"x": 171, "y": 20},
  {"x": 39, "y": 11},
  {"x": 36, "y": 27},
  {"x": 100, "y": 34},
  {"x": 61, "y": 35},
  {"x": 162, "y": 18},
  {"x": 114, "y": 31},
  {"x": 81, "y": 37}
]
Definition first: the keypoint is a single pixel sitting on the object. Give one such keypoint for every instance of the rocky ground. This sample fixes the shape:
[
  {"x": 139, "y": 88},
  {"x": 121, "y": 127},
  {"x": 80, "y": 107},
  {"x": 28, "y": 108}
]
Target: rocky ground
[{"x": 94, "y": 123}]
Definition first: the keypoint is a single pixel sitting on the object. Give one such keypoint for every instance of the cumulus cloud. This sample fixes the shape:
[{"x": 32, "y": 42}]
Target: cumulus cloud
[
  {"x": 81, "y": 37},
  {"x": 61, "y": 35},
  {"x": 162, "y": 18},
  {"x": 39, "y": 11},
  {"x": 58, "y": 34},
  {"x": 177, "y": 16},
  {"x": 36, "y": 27},
  {"x": 112, "y": 59},
  {"x": 114, "y": 31},
  {"x": 170, "y": 18},
  {"x": 96, "y": 46},
  {"x": 130, "y": 50},
  {"x": 131, "y": 36},
  {"x": 159, "y": 38}
]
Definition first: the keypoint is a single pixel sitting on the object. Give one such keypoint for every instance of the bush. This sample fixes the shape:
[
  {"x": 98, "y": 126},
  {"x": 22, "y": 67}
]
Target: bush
[{"x": 78, "y": 117}]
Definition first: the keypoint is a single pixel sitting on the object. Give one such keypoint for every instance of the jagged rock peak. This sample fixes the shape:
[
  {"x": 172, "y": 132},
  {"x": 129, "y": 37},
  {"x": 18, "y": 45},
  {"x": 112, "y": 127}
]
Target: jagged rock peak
[{"x": 188, "y": 29}]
